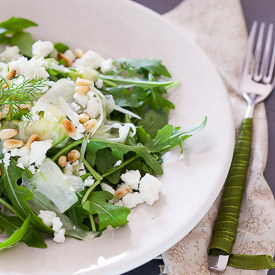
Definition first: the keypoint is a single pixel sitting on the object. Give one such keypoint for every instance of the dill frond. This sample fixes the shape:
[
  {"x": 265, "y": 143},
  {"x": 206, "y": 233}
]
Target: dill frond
[{"x": 14, "y": 95}]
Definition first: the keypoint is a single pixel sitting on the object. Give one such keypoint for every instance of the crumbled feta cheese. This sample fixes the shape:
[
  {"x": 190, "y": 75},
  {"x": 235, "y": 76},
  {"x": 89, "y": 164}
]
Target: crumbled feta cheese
[
  {"x": 6, "y": 159},
  {"x": 33, "y": 68},
  {"x": 118, "y": 163},
  {"x": 89, "y": 59},
  {"x": 81, "y": 99},
  {"x": 149, "y": 188},
  {"x": 99, "y": 83},
  {"x": 70, "y": 55},
  {"x": 59, "y": 236},
  {"x": 93, "y": 108},
  {"x": 106, "y": 65},
  {"x": 108, "y": 188},
  {"x": 119, "y": 203},
  {"x": 89, "y": 181},
  {"x": 68, "y": 169},
  {"x": 57, "y": 224},
  {"x": 82, "y": 171},
  {"x": 39, "y": 150},
  {"x": 9, "y": 54},
  {"x": 131, "y": 200},
  {"x": 47, "y": 217},
  {"x": 132, "y": 178},
  {"x": 42, "y": 48}
]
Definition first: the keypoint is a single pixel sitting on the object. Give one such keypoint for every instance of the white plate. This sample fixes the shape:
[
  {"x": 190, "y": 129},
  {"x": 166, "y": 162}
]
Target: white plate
[{"x": 125, "y": 29}]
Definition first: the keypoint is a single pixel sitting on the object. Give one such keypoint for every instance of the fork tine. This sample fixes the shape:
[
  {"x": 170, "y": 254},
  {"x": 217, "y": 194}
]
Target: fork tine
[
  {"x": 267, "y": 53},
  {"x": 258, "y": 53},
  {"x": 268, "y": 78},
  {"x": 249, "y": 50}
]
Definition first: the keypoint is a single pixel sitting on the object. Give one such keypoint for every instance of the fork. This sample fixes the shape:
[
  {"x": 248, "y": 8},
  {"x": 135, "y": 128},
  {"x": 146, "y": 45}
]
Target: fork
[{"x": 257, "y": 80}]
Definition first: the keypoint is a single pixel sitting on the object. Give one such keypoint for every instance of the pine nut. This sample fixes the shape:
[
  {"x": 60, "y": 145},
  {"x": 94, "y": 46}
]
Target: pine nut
[
  {"x": 67, "y": 61},
  {"x": 90, "y": 124},
  {"x": 32, "y": 138},
  {"x": 121, "y": 192},
  {"x": 73, "y": 156},
  {"x": 78, "y": 53},
  {"x": 13, "y": 143},
  {"x": 11, "y": 74},
  {"x": 82, "y": 90},
  {"x": 8, "y": 133},
  {"x": 62, "y": 161},
  {"x": 69, "y": 127},
  {"x": 83, "y": 82},
  {"x": 83, "y": 118}
]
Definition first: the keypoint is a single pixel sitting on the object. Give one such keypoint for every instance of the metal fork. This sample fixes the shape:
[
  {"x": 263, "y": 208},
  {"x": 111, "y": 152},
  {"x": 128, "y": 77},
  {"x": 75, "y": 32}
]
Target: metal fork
[{"x": 257, "y": 80}]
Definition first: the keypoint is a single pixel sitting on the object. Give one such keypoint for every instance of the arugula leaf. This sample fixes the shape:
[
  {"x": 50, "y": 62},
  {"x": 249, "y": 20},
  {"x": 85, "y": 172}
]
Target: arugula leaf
[
  {"x": 137, "y": 81},
  {"x": 153, "y": 120},
  {"x": 60, "y": 47},
  {"x": 108, "y": 214},
  {"x": 16, "y": 236},
  {"x": 119, "y": 150},
  {"x": 127, "y": 95},
  {"x": 19, "y": 196},
  {"x": 144, "y": 66},
  {"x": 158, "y": 101},
  {"x": 24, "y": 42},
  {"x": 105, "y": 162},
  {"x": 31, "y": 238},
  {"x": 167, "y": 137},
  {"x": 16, "y": 24}
]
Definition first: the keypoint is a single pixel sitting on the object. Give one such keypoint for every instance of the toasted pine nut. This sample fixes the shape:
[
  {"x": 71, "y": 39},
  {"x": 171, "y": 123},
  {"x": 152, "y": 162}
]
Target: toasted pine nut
[
  {"x": 83, "y": 117},
  {"x": 69, "y": 127},
  {"x": 121, "y": 192},
  {"x": 90, "y": 124},
  {"x": 78, "y": 53},
  {"x": 67, "y": 61},
  {"x": 73, "y": 156},
  {"x": 25, "y": 106},
  {"x": 13, "y": 143},
  {"x": 83, "y": 82},
  {"x": 11, "y": 74},
  {"x": 62, "y": 161},
  {"x": 8, "y": 133},
  {"x": 82, "y": 90},
  {"x": 32, "y": 138}
]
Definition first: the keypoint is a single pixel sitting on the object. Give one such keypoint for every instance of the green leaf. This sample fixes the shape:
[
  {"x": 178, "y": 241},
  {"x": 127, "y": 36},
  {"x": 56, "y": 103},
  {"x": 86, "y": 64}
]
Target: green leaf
[
  {"x": 153, "y": 120},
  {"x": 19, "y": 196},
  {"x": 158, "y": 101},
  {"x": 127, "y": 95},
  {"x": 108, "y": 214},
  {"x": 145, "y": 66},
  {"x": 24, "y": 42},
  {"x": 137, "y": 81},
  {"x": 32, "y": 237},
  {"x": 60, "y": 47},
  {"x": 119, "y": 150},
  {"x": 16, "y": 236},
  {"x": 167, "y": 137},
  {"x": 17, "y": 24}
]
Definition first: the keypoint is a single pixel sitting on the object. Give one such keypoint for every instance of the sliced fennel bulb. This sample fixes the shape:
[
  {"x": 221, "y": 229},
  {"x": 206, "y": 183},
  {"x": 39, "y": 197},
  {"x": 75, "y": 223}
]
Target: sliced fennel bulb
[{"x": 57, "y": 187}]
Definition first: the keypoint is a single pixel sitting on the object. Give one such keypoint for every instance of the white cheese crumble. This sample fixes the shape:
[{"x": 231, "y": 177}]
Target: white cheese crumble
[
  {"x": 90, "y": 59},
  {"x": 93, "y": 108},
  {"x": 89, "y": 181},
  {"x": 49, "y": 218},
  {"x": 132, "y": 178},
  {"x": 70, "y": 55},
  {"x": 118, "y": 163},
  {"x": 131, "y": 200},
  {"x": 33, "y": 68},
  {"x": 42, "y": 48},
  {"x": 9, "y": 54},
  {"x": 106, "y": 65},
  {"x": 99, "y": 83},
  {"x": 108, "y": 188}
]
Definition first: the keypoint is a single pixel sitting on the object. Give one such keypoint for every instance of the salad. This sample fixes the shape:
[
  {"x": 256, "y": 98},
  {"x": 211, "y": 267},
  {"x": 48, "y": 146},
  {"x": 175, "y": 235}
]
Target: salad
[{"x": 81, "y": 140}]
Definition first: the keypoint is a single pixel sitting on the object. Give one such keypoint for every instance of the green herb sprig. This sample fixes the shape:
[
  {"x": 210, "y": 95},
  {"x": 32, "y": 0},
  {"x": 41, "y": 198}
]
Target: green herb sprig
[{"x": 13, "y": 96}]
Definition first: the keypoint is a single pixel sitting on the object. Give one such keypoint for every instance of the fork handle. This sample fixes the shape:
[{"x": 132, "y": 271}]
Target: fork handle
[{"x": 226, "y": 225}]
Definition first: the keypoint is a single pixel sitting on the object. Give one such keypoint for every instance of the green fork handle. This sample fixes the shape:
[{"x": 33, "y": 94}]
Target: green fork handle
[
  {"x": 226, "y": 225},
  {"x": 225, "y": 229}
]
